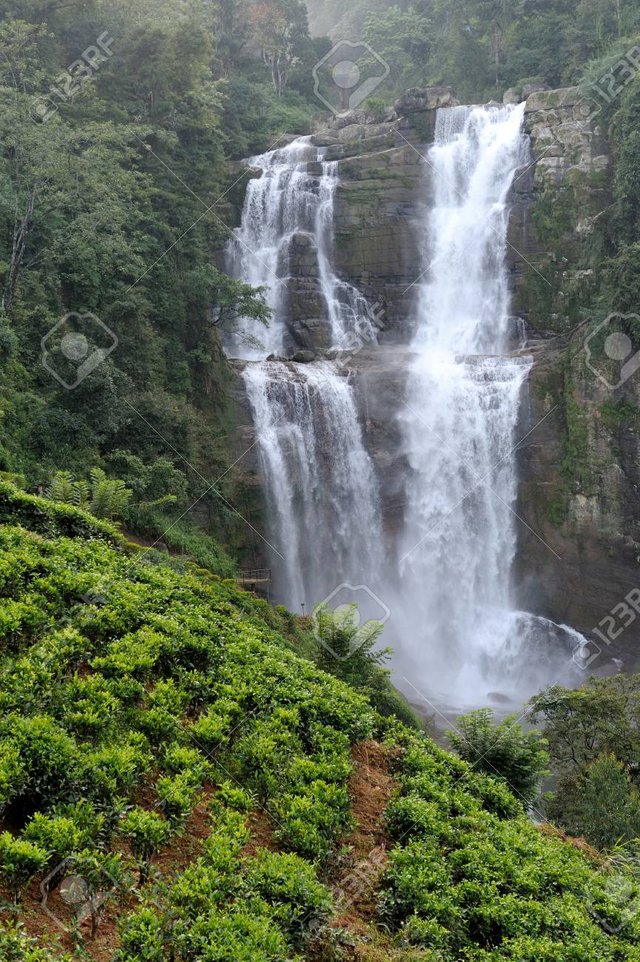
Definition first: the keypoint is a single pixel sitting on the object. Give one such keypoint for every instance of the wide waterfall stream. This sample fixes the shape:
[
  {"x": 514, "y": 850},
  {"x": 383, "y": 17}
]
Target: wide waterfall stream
[{"x": 446, "y": 577}]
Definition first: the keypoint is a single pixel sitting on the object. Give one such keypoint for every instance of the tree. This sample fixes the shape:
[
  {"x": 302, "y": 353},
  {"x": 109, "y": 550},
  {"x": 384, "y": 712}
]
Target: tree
[
  {"x": 600, "y": 718},
  {"x": 280, "y": 28},
  {"x": 503, "y": 750},
  {"x": 598, "y": 803},
  {"x": 404, "y": 39},
  {"x": 232, "y": 301}
]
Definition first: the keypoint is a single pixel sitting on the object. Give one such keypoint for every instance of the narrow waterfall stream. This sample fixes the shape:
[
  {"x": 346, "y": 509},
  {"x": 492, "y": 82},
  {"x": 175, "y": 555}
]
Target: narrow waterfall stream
[
  {"x": 447, "y": 575},
  {"x": 321, "y": 490}
]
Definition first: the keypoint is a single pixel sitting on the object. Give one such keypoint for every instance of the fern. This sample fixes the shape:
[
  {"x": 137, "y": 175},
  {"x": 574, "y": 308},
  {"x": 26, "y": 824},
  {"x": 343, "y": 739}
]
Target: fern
[
  {"x": 81, "y": 494},
  {"x": 61, "y": 488},
  {"x": 109, "y": 496},
  {"x": 104, "y": 497}
]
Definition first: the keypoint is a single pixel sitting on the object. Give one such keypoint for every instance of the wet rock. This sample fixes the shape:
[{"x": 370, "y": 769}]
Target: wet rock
[
  {"x": 324, "y": 138},
  {"x": 530, "y": 89},
  {"x": 579, "y": 551},
  {"x": 512, "y": 96},
  {"x": 425, "y": 98},
  {"x": 303, "y": 357}
]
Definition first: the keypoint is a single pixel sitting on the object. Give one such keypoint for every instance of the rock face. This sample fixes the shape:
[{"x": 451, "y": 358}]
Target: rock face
[
  {"x": 565, "y": 137},
  {"x": 579, "y": 498},
  {"x": 383, "y": 187},
  {"x": 580, "y": 495}
]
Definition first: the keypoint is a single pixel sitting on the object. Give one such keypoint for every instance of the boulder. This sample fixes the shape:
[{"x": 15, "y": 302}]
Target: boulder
[
  {"x": 418, "y": 99},
  {"x": 512, "y": 96}
]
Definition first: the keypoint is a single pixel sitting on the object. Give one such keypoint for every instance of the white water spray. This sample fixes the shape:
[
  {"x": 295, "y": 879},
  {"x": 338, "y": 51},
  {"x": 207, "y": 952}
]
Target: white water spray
[
  {"x": 321, "y": 490},
  {"x": 458, "y": 624}
]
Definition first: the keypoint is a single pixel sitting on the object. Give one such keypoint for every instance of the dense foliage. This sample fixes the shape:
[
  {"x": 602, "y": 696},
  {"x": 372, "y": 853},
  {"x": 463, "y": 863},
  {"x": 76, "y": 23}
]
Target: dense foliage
[
  {"x": 595, "y": 754},
  {"x": 117, "y": 128},
  {"x": 133, "y": 694},
  {"x": 480, "y": 47},
  {"x": 504, "y": 750}
]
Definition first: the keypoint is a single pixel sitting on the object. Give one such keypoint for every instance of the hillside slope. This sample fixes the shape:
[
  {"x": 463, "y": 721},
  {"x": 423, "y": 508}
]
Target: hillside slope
[{"x": 176, "y": 783}]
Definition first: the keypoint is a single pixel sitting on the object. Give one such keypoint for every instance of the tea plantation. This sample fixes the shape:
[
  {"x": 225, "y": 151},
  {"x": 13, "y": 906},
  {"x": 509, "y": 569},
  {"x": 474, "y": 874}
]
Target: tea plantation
[{"x": 176, "y": 783}]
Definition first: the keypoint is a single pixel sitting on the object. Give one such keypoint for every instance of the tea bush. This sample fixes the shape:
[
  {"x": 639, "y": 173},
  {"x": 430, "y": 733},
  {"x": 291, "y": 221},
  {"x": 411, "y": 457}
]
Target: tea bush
[
  {"x": 20, "y": 860},
  {"x": 472, "y": 878},
  {"x": 130, "y": 692}
]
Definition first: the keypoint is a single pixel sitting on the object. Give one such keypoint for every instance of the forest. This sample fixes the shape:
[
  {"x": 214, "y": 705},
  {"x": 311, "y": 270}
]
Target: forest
[{"x": 190, "y": 772}]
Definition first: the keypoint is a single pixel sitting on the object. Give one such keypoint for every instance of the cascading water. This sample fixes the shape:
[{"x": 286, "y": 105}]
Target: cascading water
[
  {"x": 458, "y": 623},
  {"x": 453, "y": 623},
  {"x": 321, "y": 490},
  {"x": 320, "y": 486},
  {"x": 281, "y": 201},
  {"x": 294, "y": 194}
]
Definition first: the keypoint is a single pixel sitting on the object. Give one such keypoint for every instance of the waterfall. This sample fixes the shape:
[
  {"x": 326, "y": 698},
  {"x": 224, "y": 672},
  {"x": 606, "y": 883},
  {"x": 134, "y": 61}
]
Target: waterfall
[
  {"x": 458, "y": 623},
  {"x": 321, "y": 492},
  {"x": 447, "y": 579},
  {"x": 278, "y": 203},
  {"x": 294, "y": 195}
]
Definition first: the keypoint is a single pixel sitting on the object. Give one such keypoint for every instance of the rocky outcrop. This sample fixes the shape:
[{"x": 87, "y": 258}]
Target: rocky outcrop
[
  {"x": 566, "y": 141},
  {"x": 579, "y": 494},
  {"x": 557, "y": 199}
]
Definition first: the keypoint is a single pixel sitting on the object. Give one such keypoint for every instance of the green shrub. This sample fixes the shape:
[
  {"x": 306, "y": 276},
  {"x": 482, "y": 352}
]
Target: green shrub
[
  {"x": 114, "y": 771},
  {"x": 17, "y": 946},
  {"x": 502, "y": 750},
  {"x": 290, "y": 886},
  {"x": 104, "y": 877},
  {"x": 85, "y": 816},
  {"x": 146, "y": 832},
  {"x": 55, "y": 834},
  {"x": 49, "y": 757},
  {"x": 37, "y": 514},
  {"x": 182, "y": 758},
  {"x": 20, "y": 860},
  {"x": 12, "y": 774},
  {"x": 242, "y": 935},
  {"x": 235, "y": 797},
  {"x": 176, "y": 796},
  {"x": 142, "y": 938}
]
